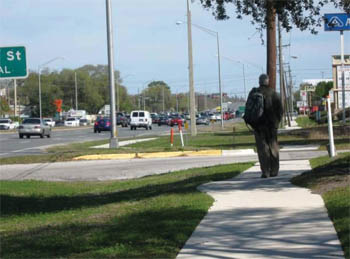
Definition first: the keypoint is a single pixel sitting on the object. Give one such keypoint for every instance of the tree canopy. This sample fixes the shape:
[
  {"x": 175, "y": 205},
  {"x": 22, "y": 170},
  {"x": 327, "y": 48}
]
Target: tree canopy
[
  {"x": 304, "y": 14},
  {"x": 322, "y": 89}
]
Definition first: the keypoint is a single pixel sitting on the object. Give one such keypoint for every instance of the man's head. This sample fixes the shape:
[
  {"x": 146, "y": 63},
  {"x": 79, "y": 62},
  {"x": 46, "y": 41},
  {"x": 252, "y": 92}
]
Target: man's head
[{"x": 263, "y": 80}]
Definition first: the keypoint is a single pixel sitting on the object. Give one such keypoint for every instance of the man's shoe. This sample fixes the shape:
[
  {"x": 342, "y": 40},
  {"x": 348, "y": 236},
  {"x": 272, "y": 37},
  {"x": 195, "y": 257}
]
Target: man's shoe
[{"x": 264, "y": 176}]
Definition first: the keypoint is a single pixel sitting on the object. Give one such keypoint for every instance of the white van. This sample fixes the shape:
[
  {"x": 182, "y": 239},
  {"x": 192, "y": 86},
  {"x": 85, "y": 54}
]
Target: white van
[
  {"x": 71, "y": 122},
  {"x": 140, "y": 119}
]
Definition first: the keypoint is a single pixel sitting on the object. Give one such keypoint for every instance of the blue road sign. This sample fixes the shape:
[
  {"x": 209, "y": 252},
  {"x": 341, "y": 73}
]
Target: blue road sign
[{"x": 336, "y": 22}]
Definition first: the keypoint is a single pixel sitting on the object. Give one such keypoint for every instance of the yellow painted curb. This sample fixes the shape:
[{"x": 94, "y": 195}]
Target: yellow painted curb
[
  {"x": 105, "y": 156},
  {"x": 204, "y": 153},
  {"x": 160, "y": 154},
  {"x": 150, "y": 155}
]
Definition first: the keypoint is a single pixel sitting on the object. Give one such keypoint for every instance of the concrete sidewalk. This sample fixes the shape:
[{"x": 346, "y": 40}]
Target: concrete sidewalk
[{"x": 264, "y": 218}]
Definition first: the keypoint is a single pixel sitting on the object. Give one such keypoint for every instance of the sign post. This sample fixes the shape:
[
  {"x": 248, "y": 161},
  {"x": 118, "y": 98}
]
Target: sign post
[{"x": 339, "y": 22}]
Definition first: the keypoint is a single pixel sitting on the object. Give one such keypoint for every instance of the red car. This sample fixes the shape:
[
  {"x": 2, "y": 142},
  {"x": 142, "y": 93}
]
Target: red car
[{"x": 176, "y": 121}]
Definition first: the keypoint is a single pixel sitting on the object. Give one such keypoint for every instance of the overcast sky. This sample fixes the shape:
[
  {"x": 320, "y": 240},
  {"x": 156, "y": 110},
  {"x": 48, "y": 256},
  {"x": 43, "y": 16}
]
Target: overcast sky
[{"x": 150, "y": 46}]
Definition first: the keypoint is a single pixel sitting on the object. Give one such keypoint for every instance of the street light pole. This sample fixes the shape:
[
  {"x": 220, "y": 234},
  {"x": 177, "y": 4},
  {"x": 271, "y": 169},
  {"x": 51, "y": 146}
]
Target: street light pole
[
  {"x": 113, "y": 140},
  {"x": 76, "y": 91},
  {"x": 40, "y": 111},
  {"x": 190, "y": 73},
  {"x": 163, "y": 98},
  {"x": 220, "y": 88}
]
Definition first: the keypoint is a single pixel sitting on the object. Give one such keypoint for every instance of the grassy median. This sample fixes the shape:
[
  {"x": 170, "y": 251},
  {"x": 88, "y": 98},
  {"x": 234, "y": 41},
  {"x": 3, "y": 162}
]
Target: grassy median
[
  {"x": 234, "y": 136},
  {"x": 330, "y": 178},
  {"x": 151, "y": 217}
]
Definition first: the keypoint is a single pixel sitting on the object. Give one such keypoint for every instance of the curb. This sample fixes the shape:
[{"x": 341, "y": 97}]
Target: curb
[{"x": 241, "y": 152}]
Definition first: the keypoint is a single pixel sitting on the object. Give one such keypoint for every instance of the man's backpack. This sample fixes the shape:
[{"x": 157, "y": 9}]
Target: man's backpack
[{"x": 254, "y": 108}]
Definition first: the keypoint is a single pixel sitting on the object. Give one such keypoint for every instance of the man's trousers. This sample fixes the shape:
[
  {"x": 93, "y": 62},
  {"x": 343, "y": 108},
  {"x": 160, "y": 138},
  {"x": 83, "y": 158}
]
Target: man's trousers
[{"x": 268, "y": 150}]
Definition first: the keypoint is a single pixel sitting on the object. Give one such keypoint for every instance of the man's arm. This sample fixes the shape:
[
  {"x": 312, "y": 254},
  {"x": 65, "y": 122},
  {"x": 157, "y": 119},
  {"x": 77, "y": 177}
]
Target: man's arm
[{"x": 278, "y": 108}]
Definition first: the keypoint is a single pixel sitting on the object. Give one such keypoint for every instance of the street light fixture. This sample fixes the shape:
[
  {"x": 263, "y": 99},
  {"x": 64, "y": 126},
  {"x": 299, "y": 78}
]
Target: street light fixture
[
  {"x": 39, "y": 71},
  {"x": 215, "y": 34}
]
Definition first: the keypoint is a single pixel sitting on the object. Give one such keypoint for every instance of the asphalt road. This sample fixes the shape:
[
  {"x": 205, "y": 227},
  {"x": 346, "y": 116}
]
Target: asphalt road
[
  {"x": 12, "y": 145},
  {"x": 103, "y": 170}
]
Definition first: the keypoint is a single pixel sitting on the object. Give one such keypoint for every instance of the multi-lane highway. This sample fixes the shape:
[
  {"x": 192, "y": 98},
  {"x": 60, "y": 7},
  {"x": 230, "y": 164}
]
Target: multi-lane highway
[{"x": 12, "y": 145}]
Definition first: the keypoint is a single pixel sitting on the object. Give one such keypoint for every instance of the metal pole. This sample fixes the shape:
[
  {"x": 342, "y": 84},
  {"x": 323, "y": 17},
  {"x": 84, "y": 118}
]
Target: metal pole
[
  {"x": 76, "y": 91},
  {"x": 163, "y": 98},
  {"x": 113, "y": 140},
  {"x": 117, "y": 96},
  {"x": 15, "y": 96},
  {"x": 330, "y": 129},
  {"x": 40, "y": 112},
  {"x": 190, "y": 72},
  {"x": 220, "y": 88},
  {"x": 342, "y": 73}
]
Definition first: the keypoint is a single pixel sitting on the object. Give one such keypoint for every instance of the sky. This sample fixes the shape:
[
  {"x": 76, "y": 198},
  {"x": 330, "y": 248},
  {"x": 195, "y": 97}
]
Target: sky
[{"x": 149, "y": 45}]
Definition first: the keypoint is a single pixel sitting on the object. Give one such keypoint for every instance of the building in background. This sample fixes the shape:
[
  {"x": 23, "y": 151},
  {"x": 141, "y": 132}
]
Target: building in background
[{"x": 337, "y": 78}]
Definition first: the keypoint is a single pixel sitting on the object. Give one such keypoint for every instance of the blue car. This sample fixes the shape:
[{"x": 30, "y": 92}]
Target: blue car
[{"x": 102, "y": 124}]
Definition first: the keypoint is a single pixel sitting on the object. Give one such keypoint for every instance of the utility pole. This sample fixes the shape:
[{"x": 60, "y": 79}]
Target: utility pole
[
  {"x": 177, "y": 104},
  {"x": 138, "y": 97},
  {"x": 287, "y": 103},
  {"x": 190, "y": 73},
  {"x": 163, "y": 98},
  {"x": 281, "y": 70},
  {"x": 76, "y": 91},
  {"x": 291, "y": 89},
  {"x": 113, "y": 140}
]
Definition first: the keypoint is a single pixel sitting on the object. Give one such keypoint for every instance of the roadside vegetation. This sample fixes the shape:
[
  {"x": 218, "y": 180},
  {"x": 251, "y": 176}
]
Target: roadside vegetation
[
  {"x": 150, "y": 217},
  {"x": 330, "y": 178},
  {"x": 234, "y": 136},
  {"x": 313, "y": 120}
]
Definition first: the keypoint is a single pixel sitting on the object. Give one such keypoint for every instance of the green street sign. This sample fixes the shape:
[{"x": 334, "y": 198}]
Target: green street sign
[{"x": 13, "y": 62}]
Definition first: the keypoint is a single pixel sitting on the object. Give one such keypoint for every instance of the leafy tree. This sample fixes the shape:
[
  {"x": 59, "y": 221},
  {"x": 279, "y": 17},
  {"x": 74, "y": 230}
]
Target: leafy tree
[
  {"x": 304, "y": 14},
  {"x": 156, "y": 92},
  {"x": 322, "y": 89},
  {"x": 4, "y": 106},
  {"x": 30, "y": 92},
  {"x": 124, "y": 99}
]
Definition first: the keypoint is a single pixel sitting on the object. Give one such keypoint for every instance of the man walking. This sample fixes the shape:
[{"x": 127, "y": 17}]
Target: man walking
[{"x": 265, "y": 128}]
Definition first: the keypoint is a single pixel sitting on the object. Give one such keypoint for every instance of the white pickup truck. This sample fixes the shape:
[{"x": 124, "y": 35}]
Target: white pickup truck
[{"x": 8, "y": 124}]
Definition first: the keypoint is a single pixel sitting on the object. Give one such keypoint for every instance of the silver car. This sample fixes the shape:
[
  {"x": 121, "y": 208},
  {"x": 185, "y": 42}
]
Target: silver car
[{"x": 34, "y": 127}]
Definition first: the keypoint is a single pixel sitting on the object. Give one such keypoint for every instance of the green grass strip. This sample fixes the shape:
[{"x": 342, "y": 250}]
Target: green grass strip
[
  {"x": 330, "y": 177},
  {"x": 338, "y": 206},
  {"x": 151, "y": 217}
]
